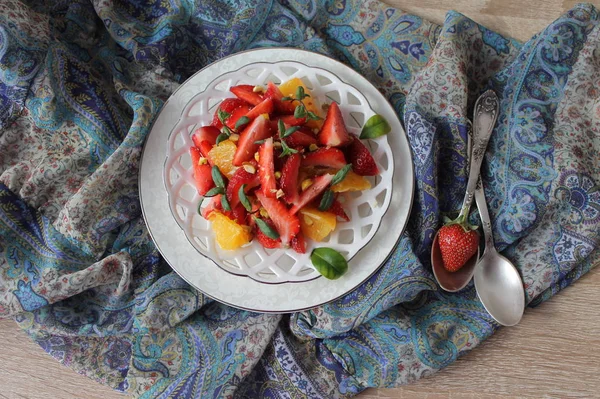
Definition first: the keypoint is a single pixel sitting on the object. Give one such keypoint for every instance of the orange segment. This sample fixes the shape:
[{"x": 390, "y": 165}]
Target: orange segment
[
  {"x": 222, "y": 156},
  {"x": 315, "y": 224},
  {"x": 229, "y": 234},
  {"x": 288, "y": 89},
  {"x": 352, "y": 182}
]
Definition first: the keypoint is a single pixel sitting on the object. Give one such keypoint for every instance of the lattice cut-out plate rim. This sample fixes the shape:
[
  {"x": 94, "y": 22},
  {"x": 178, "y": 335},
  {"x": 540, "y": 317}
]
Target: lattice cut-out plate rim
[
  {"x": 198, "y": 112},
  {"x": 242, "y": 292}
]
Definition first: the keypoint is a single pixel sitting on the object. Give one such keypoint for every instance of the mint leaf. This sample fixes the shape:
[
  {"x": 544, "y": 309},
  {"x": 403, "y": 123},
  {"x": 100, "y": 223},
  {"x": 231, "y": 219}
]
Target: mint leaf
[
  {"x": 300, "y": 111},
  {"x": 329, "y": 262},
  {"x": 266, "y": 229},
  {"x": 243, "y": 199},
  {"x": 225, "y": 203},
  {"x": 217, "y": 177},
  {"x": 375, "y": 127},
  {"x": 326, "y": 201},
  {"x": 341, "y": 174},
  {"x": 222, "y": 137},
  {"x": 241, "y": 122},
  {"x": 214, "y": 191},
  {"x": 223, "y": 116}
]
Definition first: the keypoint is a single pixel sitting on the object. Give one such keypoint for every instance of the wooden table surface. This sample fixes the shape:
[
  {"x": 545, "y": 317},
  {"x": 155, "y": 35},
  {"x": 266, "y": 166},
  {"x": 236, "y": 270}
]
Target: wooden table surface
[{"x": 553, "y": 353}]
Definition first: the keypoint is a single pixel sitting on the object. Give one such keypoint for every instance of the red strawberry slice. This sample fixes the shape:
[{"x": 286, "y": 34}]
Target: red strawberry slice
[
  {"x": 334, "y": 133},
  {"x": 239, "y": 178},
  {"x": 299, "y": 244},
  {"x": 228, "y": 105},
  {"x": 319, "y": 185},
  {"x": 237, "y": 114},
  {"x": 300, "y": 139},
  {"x": 213, "y": 205},
  {"x": 327, "y": 157},
  {"x": 362, "y": 161},
  {"x": 265, "y": 241},
  {"x": 202, "y": 173},
  {"x": 238, "y": 213},
  {"x": 457, "y": 246},
  {"x": 265, "y": 107},
  {"x": 266, "y": 168},
  {"x": 259, "y": 129},
  {"x": 289, "y": 178},
  {"x": 338, "y": 210},
  {"x": 273, "y": 92},
  {"x": 205, "y": 148},
  {"x": 287, "y": 224},
  {"x": 291, "y": 120},
  {"x": 246, "y": 93},
  {"x": 205, "y": 133}
]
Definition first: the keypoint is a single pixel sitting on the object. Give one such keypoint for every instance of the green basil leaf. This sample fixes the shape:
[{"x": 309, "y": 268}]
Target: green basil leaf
[
  {"x": 217, "y": 177},
  {"x": 329, "y": 262},
  {"x": 300, "y": 111},
  {"x": 341, "y": 174},
  {"x": 243, "y": 199},
  {"x": 326, "y": 201},
  {"x": 225, "y": 203},
  {"x": 311, "y": 116},
  {"x": 223, "y": 116},
  {"x": 286, "y": 150},
  {"x": 299, "y": 93},
  {"x": 266, "y": 229},
  {"x": 290, "y": 131},
  {"x": 241, "y": 122},
  {"x": 226, "y": 130},
  {"x": 376, "y": 126},
  {"x": 221, "y": 137},
  {"x": 214, "y": 191}
]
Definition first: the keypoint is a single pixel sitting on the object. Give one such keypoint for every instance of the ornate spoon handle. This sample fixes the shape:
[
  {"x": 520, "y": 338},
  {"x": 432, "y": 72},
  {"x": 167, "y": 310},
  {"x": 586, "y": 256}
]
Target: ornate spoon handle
[
  {"x": 484, "y": 119},
  {"x": 485, "y": 217}
]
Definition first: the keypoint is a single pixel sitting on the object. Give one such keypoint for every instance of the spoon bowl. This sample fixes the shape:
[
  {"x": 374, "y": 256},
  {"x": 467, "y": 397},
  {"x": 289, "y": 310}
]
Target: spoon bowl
[
  {"x": 451, "y": 281},
  {"x": 500, "y": 288}
]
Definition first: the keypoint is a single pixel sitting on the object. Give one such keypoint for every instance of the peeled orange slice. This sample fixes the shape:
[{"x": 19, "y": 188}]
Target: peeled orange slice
[
  {"x": 229, "y": 234},
  {"x": 315, "y": 224}
]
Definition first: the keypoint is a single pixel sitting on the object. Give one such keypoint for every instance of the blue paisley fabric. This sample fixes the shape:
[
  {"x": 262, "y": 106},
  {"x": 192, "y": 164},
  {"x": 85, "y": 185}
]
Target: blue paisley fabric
[{"x": 81, "y": 82}]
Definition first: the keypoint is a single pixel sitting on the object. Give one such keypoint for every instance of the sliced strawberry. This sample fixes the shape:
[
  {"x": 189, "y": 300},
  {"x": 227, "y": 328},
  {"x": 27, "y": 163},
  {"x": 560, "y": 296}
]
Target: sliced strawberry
[
  {"x": 213, "y": 205},
  {"x": 327, "y": 157},
  {"x": 273, "y": 92},
  {"x": 291, "y": 120},
  {"x": 300, "y": 139},
  {"x": 202, "y": 172},
  {"x": 265, "y": 107},
  {"x": 259, "y": 129},
  {"x": 239, "y": 178},
  {"x": 289, "y": 177},
  {"x": 334, "y": 133},
  {"x": 287, "y": 224},
  {"x": 319, "y": 185},
  {"x": 298, "y": 243},
  {"x": 236, "y": 114},
  {"x": 246, "y": 93},
  {"x": 205, "y": 133},
  {"x": 205, "y": 148},
  {"x": 266, "y": 168},
  {"x": 362, "y": 161},
  {"x": 266, "y": 241},
  {"x": 228, "y": 105},
  {"x": 239, "y": 214},
  {"x": 338, "y": 210}
]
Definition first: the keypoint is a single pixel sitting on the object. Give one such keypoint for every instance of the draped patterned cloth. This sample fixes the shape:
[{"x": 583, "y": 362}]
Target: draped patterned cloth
[{"x": 81, "y": 82}]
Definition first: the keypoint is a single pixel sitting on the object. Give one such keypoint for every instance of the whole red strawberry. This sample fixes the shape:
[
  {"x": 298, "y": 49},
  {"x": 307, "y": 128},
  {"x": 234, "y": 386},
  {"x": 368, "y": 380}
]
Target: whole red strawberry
[
  {"x": 457, "y": 245},
  {"x": 359, "y": 155}
]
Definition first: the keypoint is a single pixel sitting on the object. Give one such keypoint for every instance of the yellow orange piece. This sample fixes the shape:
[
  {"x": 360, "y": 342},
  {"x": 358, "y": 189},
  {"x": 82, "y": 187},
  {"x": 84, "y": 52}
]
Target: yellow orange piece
[
  {"x": 312, "y": 104},
  {"x": 222, "y": 156},
  {"x": 228, "y": 233},
  {"x": 315, "y": 224},
  {"x": 352, "y": 182}
]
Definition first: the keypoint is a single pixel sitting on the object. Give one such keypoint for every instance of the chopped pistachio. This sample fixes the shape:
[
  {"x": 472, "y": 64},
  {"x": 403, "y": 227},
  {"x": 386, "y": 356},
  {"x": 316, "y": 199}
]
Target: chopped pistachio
[
  {"x": 306, "y": 184},
  {"x": 248, "y": 167},
  {"x": 234, "y": 137}
]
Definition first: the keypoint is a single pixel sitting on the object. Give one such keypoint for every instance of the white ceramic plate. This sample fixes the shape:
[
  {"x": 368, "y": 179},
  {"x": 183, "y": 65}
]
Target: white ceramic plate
[
  {"x": 185, "y": 241},
  {"x": 275, "y": 266}
]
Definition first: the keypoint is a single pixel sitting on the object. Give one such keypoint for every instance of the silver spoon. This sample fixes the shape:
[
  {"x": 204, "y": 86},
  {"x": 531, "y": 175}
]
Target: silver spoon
[
  {"x": 497, "y": 281},
  {"x": 484, "y": 119}
]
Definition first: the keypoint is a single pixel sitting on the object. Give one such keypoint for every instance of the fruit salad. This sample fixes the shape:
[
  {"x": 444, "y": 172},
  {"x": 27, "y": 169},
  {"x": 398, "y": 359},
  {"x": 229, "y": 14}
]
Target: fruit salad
[{"x": 275, "y": 166}]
